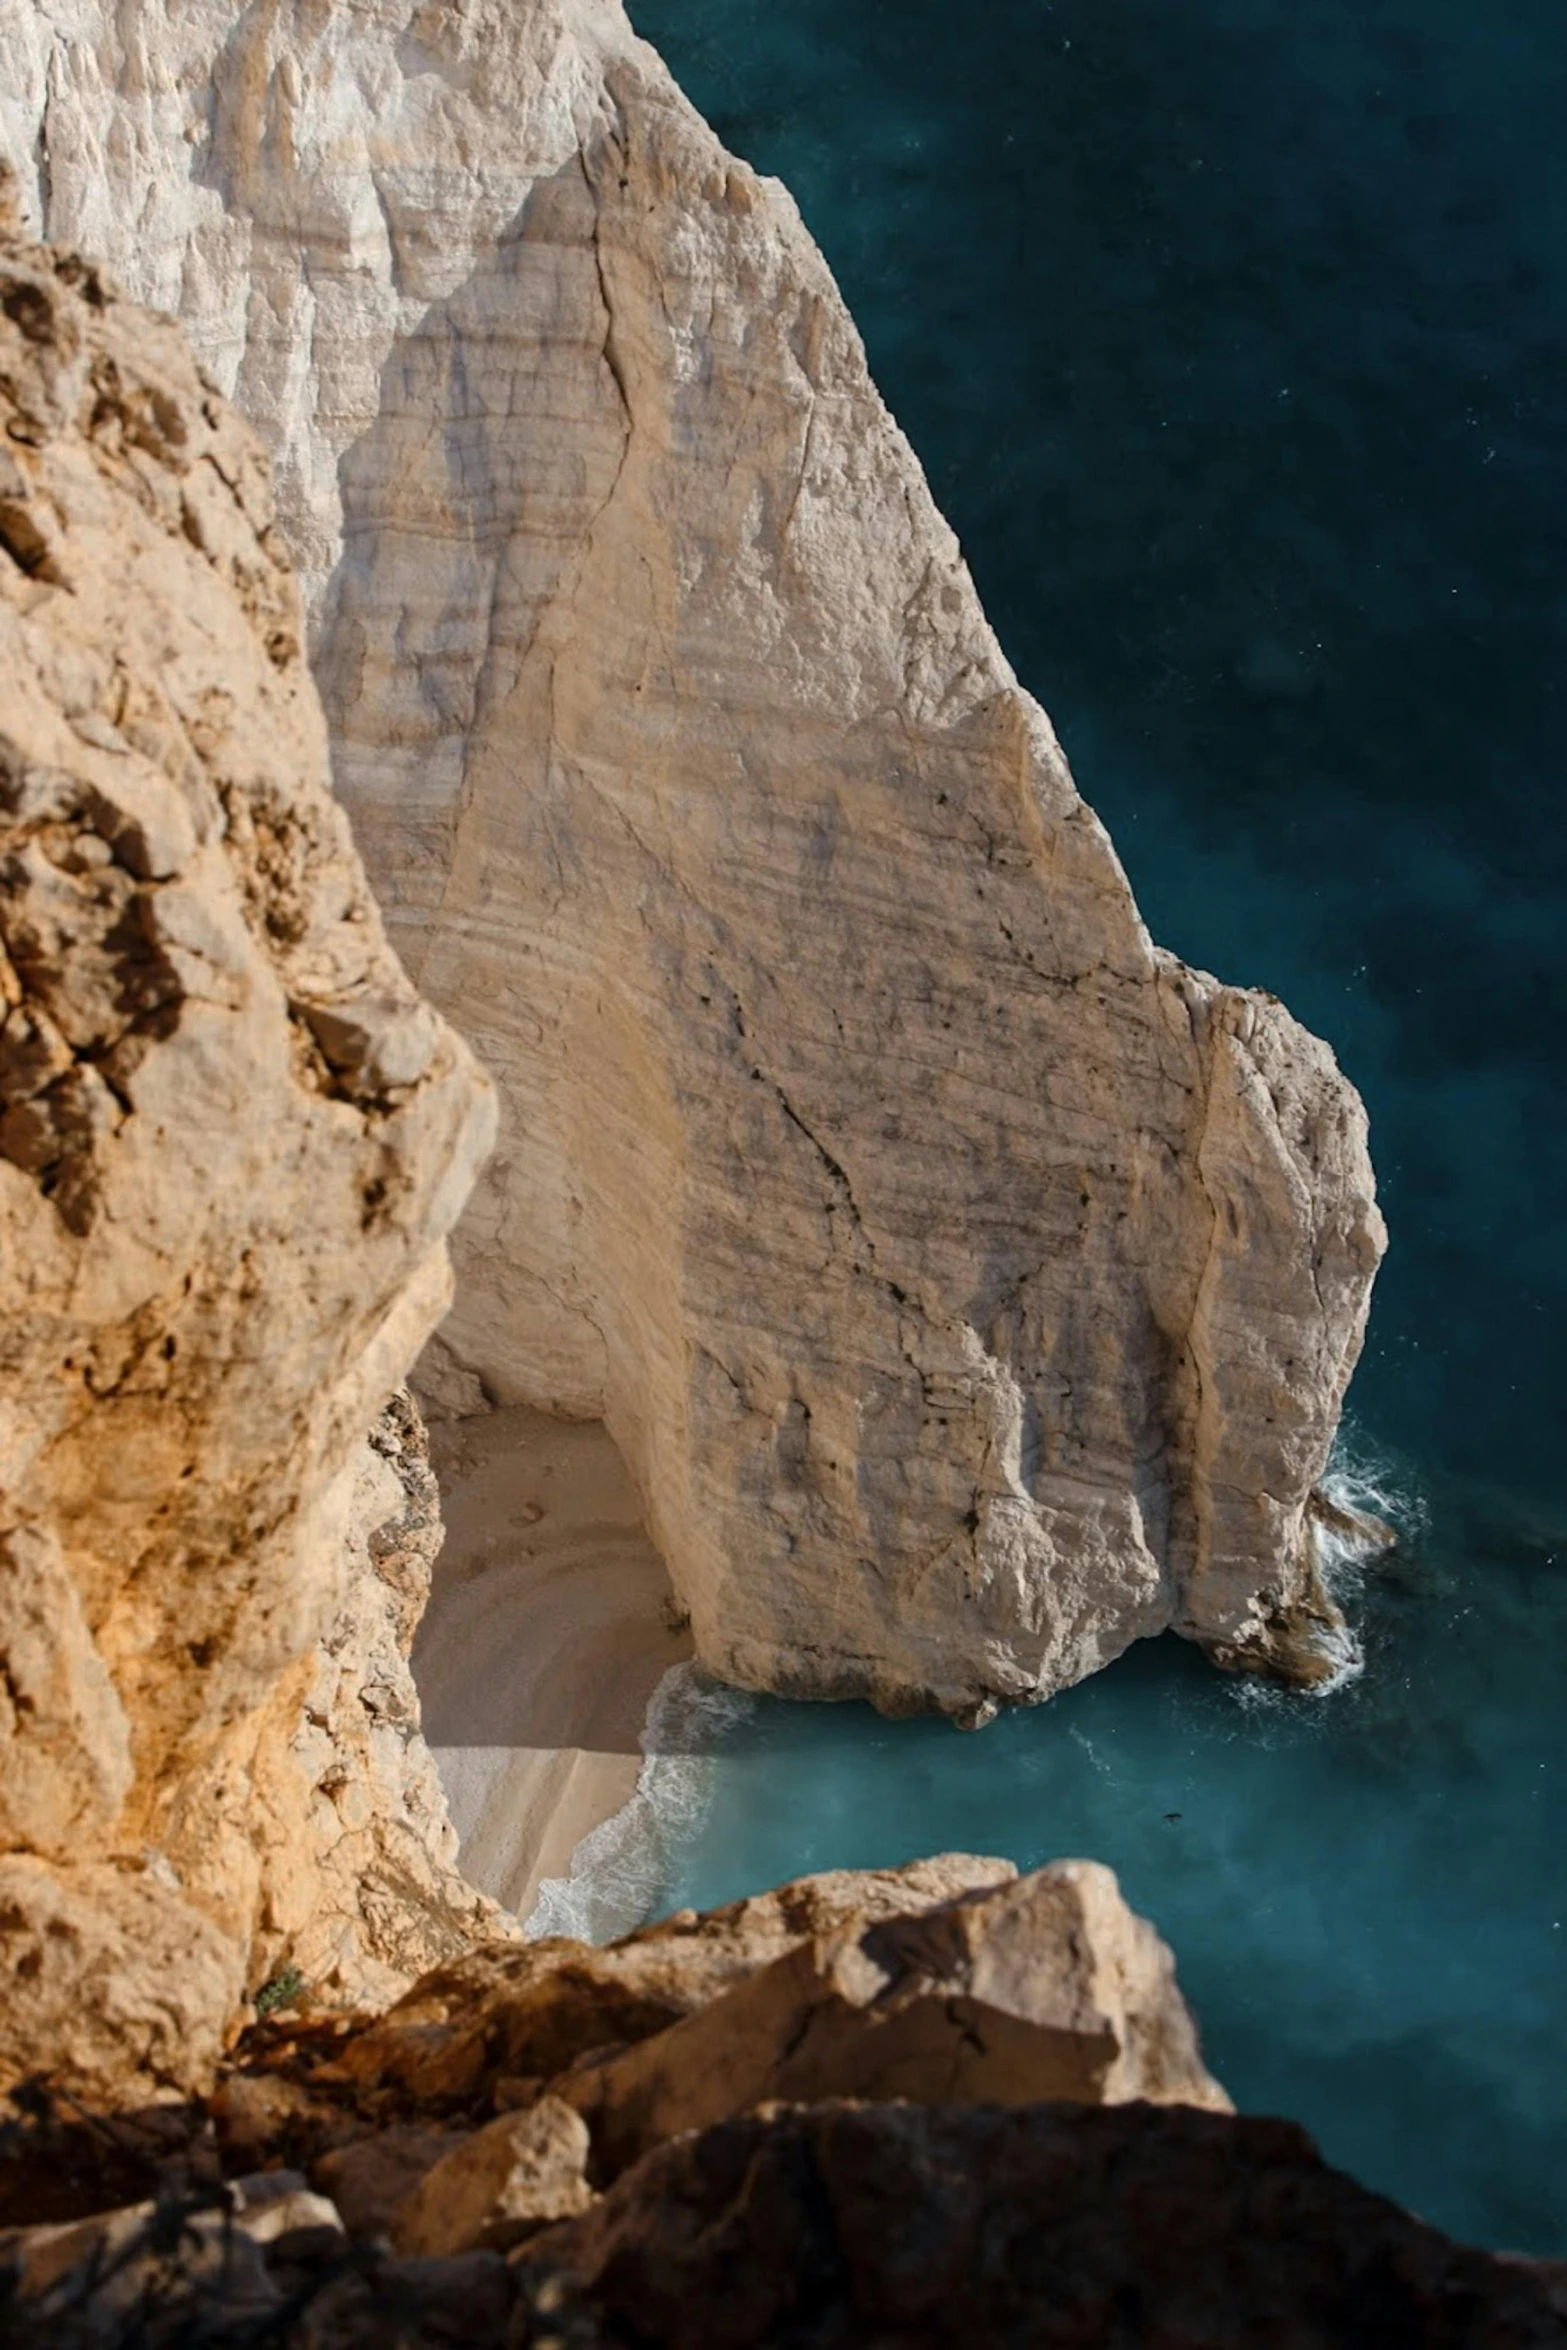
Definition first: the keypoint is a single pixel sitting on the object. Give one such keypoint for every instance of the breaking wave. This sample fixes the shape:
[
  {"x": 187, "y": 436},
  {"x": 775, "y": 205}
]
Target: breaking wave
[
  {"x": 617, "y": 1869},
  {"x": 1367, "y": 1480},
  {"x": 1375, "y": 1504}
]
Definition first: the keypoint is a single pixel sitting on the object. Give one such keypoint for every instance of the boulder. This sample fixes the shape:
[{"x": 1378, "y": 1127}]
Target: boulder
[
  {"x": 1043, "y": 2228},
  {"x": 371, "y": 2180},
  {"x": 501, "y": 2018},
  {"x": 129, "y": 2266},
  {"x": 943, "y": 2202},
  {"x": 1046, "y": 1989},
  {"x": 493, "y": 2189},
  {"x": 950, "y": 1979}
]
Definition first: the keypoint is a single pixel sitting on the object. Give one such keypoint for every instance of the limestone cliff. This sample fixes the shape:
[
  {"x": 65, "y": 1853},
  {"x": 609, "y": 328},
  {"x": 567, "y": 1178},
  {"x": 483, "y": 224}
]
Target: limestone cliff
[
  {"x": 232, "y": 1142},
  {"x": 364, "y": 1892},
  {"x": 972, "y": 1287}
]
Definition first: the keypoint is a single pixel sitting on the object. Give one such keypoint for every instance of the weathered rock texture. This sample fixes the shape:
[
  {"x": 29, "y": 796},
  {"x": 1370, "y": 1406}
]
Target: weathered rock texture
[
  {"x": 499, "y": 2185},
  {"x": 971, "y": 1286},
  {"x": 950, "y": 1980},
  {"x": 367, "y": 1894},
  {"x": 826, "y": 2227},
  {"x": 485, "y": 2208},
  {"x": 232, "y": 1141},
  {"x": 1048, "y": 1988},
  {"x": 1050, "y": 2227}
]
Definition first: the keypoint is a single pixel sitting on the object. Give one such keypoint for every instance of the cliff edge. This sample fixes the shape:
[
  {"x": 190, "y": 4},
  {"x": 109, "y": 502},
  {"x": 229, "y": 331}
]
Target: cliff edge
[
  {"x": 931, "y": 2105},
  {"x": 232, "y": 1142}
]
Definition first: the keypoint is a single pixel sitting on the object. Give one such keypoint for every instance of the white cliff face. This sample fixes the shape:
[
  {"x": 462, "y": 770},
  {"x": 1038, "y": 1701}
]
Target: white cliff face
[{"x": 972, "y": 1287}]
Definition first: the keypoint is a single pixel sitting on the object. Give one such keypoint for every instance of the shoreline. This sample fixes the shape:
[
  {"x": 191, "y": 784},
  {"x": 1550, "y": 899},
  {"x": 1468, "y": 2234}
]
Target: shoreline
[{"x": 545, "y": 1643}]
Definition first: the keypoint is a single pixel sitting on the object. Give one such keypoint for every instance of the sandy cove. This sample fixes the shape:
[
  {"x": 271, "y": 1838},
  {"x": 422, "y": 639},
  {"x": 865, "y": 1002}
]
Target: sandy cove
[{"x": 546, "y": 1635}]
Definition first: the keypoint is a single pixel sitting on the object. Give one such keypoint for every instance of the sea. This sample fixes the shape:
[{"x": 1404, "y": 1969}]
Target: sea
[{"x": 1232, "y": 335}]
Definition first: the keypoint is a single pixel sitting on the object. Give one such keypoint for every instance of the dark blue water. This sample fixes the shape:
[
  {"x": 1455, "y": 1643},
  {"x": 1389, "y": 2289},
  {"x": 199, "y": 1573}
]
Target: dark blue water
[{"x": 1233, "y": 336}]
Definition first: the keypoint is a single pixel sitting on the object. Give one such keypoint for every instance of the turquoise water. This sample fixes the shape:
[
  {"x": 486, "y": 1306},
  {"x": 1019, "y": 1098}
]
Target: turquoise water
[{"x": 1233, "y": 336}]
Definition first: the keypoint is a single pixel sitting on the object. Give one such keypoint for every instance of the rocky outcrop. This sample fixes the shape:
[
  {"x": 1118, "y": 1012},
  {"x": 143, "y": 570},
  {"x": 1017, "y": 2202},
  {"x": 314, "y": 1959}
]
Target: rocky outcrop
[
  {"x": 971, "y": 1286},
  {"x": 365, "y": 1893},
  {"x": 1046, "y": 2228},
  {"x": 430, "y": 2182},
  {"x": 533, "y": 2011},
  {"x": 497, "y": 2187},
  {"x": 1048, "y": 1988},
  {"x": 506, "y": 2088},
  {"x": 232, "y": 1142},
  {"x": 1052, "y": 2227},
  {"x": 951, "y": 1979}
]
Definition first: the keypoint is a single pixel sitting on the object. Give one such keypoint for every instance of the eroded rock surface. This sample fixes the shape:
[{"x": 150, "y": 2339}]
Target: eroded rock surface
[
  {"x": 1049, "y": 2226},
  {"x": 221, "y": 1237},
  {"x": 500, "y": 2185},
  {"x": 1044, "y": 1989},
  {"x": 435, "y": 2175},
  {"x": 368, "y": 1894},
  {"x": 953, "y": 1979},
  {"x": 971, "y": 1287},
  {"x": 500, "y": 2022},
  {"x": 531, "y": 2011},
  {"x": 817, "y": 2228}
]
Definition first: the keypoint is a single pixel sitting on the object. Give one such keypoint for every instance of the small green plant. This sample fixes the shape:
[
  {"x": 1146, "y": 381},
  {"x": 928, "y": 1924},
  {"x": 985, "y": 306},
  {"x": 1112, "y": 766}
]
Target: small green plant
[{"x": 286, "y": 1989}]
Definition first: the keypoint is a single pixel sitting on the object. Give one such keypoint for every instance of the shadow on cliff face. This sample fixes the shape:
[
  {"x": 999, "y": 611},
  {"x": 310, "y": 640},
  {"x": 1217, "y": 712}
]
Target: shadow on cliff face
[
  {"x": 460, "y": 526},
  {"x": 457, "y": 528},
  {"x": 1232, "y": 339}
]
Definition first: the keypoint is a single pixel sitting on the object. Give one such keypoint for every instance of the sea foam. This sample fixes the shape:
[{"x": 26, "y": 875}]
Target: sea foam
[
  {"x": 1380, "y": 1506},
  {"x": 618, "y": 1867}
]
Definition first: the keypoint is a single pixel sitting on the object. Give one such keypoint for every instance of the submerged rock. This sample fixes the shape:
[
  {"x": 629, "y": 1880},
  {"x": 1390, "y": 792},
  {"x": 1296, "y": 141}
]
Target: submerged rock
[
  {"x": 218, "y": 1250},
  {"x": 972, "y": 1287}
]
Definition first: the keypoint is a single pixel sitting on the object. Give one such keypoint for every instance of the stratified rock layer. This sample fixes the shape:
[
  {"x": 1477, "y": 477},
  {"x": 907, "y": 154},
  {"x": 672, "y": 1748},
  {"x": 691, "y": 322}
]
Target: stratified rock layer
[
  {"x": 232, "y": 1141},
  {"x": 972, "y": 1287}
]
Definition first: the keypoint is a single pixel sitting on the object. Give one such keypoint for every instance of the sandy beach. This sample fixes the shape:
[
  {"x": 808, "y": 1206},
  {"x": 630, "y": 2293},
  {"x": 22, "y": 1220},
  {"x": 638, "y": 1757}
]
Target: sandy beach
[{"x": 544, "y": 1640}]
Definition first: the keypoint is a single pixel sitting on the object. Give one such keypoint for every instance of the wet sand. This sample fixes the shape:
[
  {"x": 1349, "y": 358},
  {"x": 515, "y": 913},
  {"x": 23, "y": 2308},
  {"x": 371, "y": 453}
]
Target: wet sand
[{"x": 546, "y": 1635}]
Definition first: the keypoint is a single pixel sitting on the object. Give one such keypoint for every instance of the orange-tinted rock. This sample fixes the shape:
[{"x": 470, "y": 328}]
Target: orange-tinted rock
[
  {"x": 219, "y": 1247},
  {"x": 530, "y": 2011},
  {"x": 492, "y": 2189},
  {"x": 1043, "y": 1989}
]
